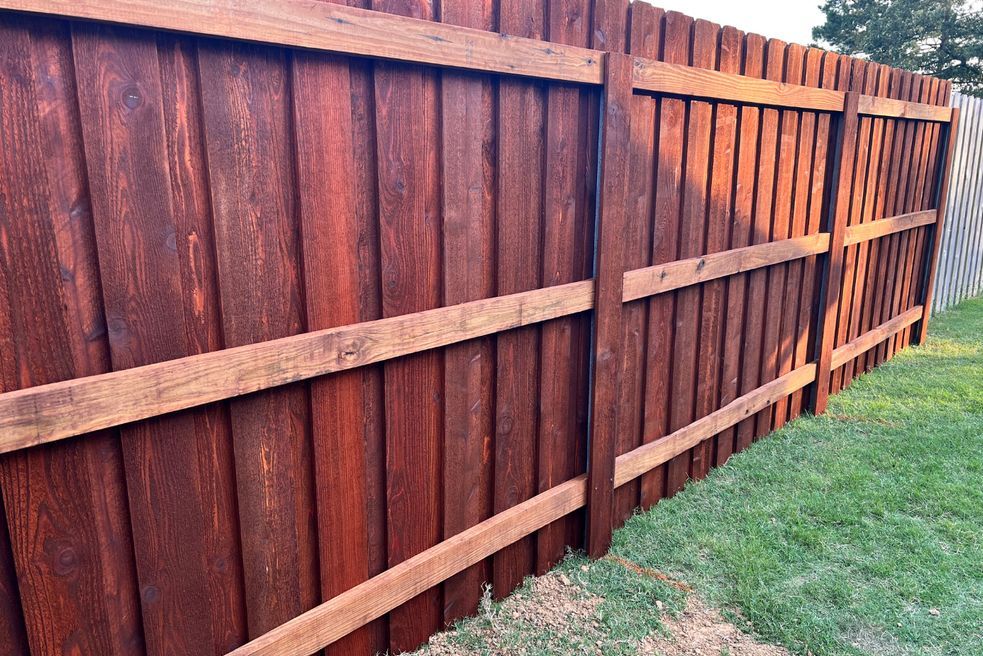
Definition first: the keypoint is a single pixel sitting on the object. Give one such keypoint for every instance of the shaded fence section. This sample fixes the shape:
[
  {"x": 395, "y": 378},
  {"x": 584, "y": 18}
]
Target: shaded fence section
[
  {"x": 317, "y": 318},
  {"x": 960, "y": 268}
]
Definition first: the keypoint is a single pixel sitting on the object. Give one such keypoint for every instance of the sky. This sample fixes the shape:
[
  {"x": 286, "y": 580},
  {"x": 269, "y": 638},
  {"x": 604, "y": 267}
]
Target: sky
[{"x": 789, "y": 20}]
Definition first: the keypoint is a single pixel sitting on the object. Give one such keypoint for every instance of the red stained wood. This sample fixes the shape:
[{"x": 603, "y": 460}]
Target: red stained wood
[
  {"x": 344, "y": 438},
  {"x": 776, "y": 310},
  {"x": 669, "y": 194},
  {"x": 246, "y": 115},
  {"x": 66, "y": 537},
  {"x": 836, "y": 224},
  {"x": 719, "y": 197},
  {"x": 940, "y": 193},
  {"x": 742, "y": 235},
  {"x": 519, "y": 253},
  {"x": 407, "y": 124},
  {"x": 468, "y": 170},
  {"x": 633, "y": 415},
  {"x": 345, "y": 190},
  {"x": 146, "y": 218},
  {"x": 562, "y": 402},
  {"x": 811, "y": 185},
  {"x": 754, "y": 354},
  {"x": 878, "y": 259},
  {"x": 609, "y": 277}
]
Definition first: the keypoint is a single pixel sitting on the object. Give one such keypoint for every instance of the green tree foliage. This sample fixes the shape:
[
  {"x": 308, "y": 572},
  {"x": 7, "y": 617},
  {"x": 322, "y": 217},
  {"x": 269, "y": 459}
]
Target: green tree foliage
[{"x": 937, "y": 37}]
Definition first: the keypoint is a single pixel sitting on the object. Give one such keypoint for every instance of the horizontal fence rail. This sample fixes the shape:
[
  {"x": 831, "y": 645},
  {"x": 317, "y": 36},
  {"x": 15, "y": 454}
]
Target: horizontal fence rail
[{"x": 444, "y": 297}]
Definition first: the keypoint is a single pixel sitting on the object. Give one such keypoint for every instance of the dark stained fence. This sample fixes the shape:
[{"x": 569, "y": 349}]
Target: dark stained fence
[{"x": 315, "y": 319}]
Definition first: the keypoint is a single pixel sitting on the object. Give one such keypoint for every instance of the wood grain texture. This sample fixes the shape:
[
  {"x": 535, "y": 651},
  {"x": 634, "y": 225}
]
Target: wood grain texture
[
  {"x": 333, "y": 619},
  {"x": 893, "y": 139},
  {"x": 836, "y": 222},
  {"x": 468, "y": 168},
  {"x": 650, "y": 27},
  {"x": 686, "y": 209},
  {"x": 755, "y": 357},
  {"x": 940, "y": 196},
  {"x": 811, "y": 197},
  {"x": 889, "y": 226},
  {"x": 861, "y": 79},
  {"x": 777, "y": 301},
  {"x": 182, "y": 525},
  {"x": 336, "y": 277},
  {"x": 908, "y": 90},
  {"x": 644, "y": 37},
  {"x": 519, "y": 198},
  {"x": 877, "y": 105},
  {"x": 567, "y": 228},
  {"x": 870, "y": 339},
  {"x": 268, "y": 224},
  {"x": 860, "y": 306},
  {"x": 741, "y": 236},
  {"x": 719, "y": 198},
  {"x": 681, "y": 80},
  {"x": 663, "y": 278},
  {"x": 407, "y": 128},
  {"x": 341, "y": 29},
  {"x": 611, "y": 219},
  {"x": 874, "y": 278},
  {"x": 54, "y": 411},
  {"x": 67, "y": 578},
  {"x": 637, "y": 462},
  {"x": 795, "y": 72},
  {"x": 245, "y": 109}
]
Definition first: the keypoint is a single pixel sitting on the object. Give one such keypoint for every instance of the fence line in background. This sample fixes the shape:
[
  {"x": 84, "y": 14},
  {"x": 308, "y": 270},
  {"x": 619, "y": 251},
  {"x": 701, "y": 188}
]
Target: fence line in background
[{"x": 960, "y": 267}]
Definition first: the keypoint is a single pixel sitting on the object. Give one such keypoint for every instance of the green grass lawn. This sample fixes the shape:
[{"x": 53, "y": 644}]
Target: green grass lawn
[{"x": 857, "y": 532}]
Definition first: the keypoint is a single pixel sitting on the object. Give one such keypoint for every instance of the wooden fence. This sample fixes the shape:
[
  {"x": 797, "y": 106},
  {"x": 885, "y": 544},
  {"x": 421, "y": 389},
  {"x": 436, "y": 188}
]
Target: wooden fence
[
  {"x": 960, "y": 267},
  {"x": 315, "y": 318}
]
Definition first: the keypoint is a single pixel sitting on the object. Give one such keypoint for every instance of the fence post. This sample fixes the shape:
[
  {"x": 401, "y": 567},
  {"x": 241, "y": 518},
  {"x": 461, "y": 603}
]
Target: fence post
[
  {"x": 935, "y": 230},
  {"x": 839, "y": 210},
  {"x": 609, "y": 227}
]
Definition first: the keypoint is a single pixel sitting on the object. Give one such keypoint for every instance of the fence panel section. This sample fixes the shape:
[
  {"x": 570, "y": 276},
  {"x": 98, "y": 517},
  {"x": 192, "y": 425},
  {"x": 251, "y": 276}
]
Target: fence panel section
[{"x": 960, "y": 268}]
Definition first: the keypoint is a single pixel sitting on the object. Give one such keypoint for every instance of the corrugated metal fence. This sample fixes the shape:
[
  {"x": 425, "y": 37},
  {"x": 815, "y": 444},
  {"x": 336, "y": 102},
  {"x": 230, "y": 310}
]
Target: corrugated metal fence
[{"x": 960, "y": 273}]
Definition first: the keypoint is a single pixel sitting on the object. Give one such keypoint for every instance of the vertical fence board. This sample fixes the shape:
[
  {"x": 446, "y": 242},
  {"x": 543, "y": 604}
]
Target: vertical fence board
[
  {"x": 836, "y": 223},
  {"x": 181, "y": 529},
  {"x": 68, "y": 573},
  {"x": 608, "y": 275},
  {"x": 815, "y": 127},
  {"x": 788, "y": 222},
  {"x": 692, "y": 236},
  {"x": 672, "y": 187},
  {"x": 407, "y": 117},
  {"x": 251, "y": 173},
  {"x": 736, "y": 344},
  {"x": 467, "y": 103},
  {"x": 720, "y": 208},
  {"x": 519, "y": 256},
  {"x": 754, "y": 353},
  {"x": 564, "y": 217},
  {"x": 644, "y": 41},
  {"x": 334, "y": 283}
]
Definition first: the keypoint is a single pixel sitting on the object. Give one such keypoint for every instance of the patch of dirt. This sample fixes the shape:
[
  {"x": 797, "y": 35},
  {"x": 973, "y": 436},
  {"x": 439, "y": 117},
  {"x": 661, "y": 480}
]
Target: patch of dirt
[
  {"x": 646, "y": 571},
  {"x": 553, "y": 605},
  {"x": 703, "y": 631}
]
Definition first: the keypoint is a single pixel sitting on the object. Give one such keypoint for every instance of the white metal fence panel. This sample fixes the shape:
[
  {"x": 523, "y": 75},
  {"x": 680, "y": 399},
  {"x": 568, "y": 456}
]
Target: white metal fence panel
[{"x": 960, "y": 266}]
